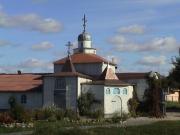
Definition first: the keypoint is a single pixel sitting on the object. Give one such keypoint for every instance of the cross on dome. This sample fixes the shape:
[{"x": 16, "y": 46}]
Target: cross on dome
[
  {"x": 84, "y": 23},
  {"x": 69, "y": 45}
]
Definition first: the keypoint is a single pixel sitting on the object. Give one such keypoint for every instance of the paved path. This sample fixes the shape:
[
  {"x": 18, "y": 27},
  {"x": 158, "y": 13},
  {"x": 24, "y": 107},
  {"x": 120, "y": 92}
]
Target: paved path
[{"x": 129, "y": 122}]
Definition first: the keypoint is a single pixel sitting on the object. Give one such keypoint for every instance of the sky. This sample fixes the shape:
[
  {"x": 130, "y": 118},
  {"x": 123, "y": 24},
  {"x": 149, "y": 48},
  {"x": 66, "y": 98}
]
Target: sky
[{"x": 141, "y": 35}]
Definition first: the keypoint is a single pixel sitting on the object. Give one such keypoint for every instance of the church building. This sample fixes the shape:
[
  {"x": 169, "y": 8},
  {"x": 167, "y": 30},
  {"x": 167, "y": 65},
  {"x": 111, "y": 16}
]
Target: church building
[
  {"x": 80, "y": 72},
  {"x": 85, "y": 71}
]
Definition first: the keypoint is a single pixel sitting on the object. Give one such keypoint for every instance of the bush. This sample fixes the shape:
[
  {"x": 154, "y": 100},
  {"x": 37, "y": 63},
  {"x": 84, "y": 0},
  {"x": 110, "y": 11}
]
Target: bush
[
  {"x": 54, "y": 113},
  {"x": 49, "y": 113},
  {"x": 17, "y": 112},
  {"x": 133, "y": 104},
  {"x": 84, "y": 103},
  {"x": 6, "y": 118},
  {"x": 70, "y": 114},
  {"x": 119, "y": 118},
  {"x": 97, "y": 114},
  {"x": 60, "y": 113}
]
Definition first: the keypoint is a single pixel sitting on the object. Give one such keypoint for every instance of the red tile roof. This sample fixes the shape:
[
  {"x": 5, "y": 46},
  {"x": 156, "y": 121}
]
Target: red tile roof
[
  {"x": 83, "y": 58},
  {"x": 19, "y": 83},
  {"x": 129, "y": 76},
  {"x": 63, "y": 74}
]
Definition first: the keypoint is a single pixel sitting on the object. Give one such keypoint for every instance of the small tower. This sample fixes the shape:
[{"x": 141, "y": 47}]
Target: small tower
[{"x": 84, "y": 41}]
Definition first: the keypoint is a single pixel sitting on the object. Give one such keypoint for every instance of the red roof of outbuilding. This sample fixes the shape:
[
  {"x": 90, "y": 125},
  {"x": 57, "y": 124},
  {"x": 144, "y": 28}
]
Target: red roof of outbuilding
[
  {"x": 83, "y": 58},
  {"x": 19, "y": 83}
]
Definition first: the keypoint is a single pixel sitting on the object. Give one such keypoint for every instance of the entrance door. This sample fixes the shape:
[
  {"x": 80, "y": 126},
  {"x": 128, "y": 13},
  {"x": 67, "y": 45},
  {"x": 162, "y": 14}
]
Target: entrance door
[{"x": 116, "y": 104}]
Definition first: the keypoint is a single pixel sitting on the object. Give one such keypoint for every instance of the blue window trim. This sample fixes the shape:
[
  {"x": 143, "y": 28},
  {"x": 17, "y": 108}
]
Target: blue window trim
[
  {"x": 108, "y": 91},
  {"x": 125, "y": 91}
]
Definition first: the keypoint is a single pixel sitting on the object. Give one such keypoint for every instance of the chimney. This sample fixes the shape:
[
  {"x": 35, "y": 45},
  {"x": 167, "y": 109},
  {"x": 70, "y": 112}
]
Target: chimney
[
  {"x": 19, "y": 72},
  {"x": 113, "y": 60}
]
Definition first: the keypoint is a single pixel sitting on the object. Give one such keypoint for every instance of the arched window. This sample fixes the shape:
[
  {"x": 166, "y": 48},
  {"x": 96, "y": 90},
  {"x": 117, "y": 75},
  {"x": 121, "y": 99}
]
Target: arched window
[
  {"x": 125, "y": 91},
  {"x": 108, "y": 91},
  {"x": 23, "y": 99},
  {"x": 116, "y": 91}
]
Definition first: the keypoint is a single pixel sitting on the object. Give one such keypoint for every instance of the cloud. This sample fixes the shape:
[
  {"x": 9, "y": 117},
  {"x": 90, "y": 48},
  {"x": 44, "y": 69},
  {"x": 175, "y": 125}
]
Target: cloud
[
  {"x": 30, "y": 22},
  {"x": 132, "y": 29},
  {"x": 43, "y": 46},
  {"x": 28, "y": 65},
  {"x": 164, "y": 44},
  {"x": 152, "y": 61},
  {"x": 34, "y": 63},
  {"x": 5, "y": 43}
]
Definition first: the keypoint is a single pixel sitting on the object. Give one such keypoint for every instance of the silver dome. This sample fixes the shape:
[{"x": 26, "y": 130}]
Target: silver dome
[{"x": 84, "y": 37}]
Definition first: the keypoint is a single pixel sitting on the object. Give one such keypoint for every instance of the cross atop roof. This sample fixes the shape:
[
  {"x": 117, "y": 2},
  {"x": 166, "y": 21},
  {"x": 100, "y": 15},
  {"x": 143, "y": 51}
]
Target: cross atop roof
[
  {"x": 69, "y": 45},
  {"x": 84, "y": 23}
]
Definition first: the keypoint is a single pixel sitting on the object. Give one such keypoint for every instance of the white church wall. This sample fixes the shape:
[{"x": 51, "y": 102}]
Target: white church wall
[
  {"x": 109, "y": 99},
  {"x": 141, "y": 86},
  {"x": 34, "y": 99},
  {"x": 71, "y": 93},
  {"x": 79, "y": 82},
  {"x": 48, "y": 91},
  {"x": 90, "y": 51},
  {"x": 98, "y": 91}
]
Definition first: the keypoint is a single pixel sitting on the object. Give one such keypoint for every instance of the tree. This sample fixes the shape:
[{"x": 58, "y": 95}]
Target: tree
[
  {"x": 153, "y": 97},
  {"x": 174, "y": 75},
  {"x": 85, "y": 102}
]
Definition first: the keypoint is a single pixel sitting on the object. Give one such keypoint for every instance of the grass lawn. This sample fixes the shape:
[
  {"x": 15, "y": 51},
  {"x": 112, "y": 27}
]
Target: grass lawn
[
  {"x": 158, "y": 128},
  {"x": 10, "y": 130}
]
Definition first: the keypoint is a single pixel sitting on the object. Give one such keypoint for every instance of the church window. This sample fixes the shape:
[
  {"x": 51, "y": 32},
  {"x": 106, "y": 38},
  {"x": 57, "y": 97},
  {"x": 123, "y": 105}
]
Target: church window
[
  {"x": 125, "y": 91},
  {"x": 60, "y": 83},
  {"x": 116, "y": 91},
  {"x": 23, "y": 99},
  {"x": 108, "y": 91}
]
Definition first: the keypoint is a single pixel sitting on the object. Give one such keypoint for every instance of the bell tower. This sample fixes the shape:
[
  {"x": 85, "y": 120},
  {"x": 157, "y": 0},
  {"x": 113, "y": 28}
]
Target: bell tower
[{"x": 84, "y": 41}]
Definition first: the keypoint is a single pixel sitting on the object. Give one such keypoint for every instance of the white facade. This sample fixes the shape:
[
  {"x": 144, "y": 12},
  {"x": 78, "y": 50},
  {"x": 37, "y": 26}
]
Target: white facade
[
  {"x": 33, "y": 99},
  {"x": 112, "y": 102},
  {"x": 117, "y": 102}
]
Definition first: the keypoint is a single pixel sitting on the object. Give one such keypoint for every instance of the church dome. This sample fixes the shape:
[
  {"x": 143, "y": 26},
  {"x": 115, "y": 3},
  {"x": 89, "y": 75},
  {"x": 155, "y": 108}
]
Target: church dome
[{"x": 84, "y": 37}]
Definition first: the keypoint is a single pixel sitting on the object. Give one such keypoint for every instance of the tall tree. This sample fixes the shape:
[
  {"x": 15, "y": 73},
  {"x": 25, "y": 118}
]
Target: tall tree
[{"x": 174, "y": 75}]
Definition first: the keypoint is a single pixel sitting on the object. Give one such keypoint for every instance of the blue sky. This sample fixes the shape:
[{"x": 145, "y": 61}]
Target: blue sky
[{"x": 142, "y": 35}]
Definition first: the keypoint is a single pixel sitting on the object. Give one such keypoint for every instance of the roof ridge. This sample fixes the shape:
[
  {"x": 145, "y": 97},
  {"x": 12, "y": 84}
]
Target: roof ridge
[{"x": 68, "y": 65}]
